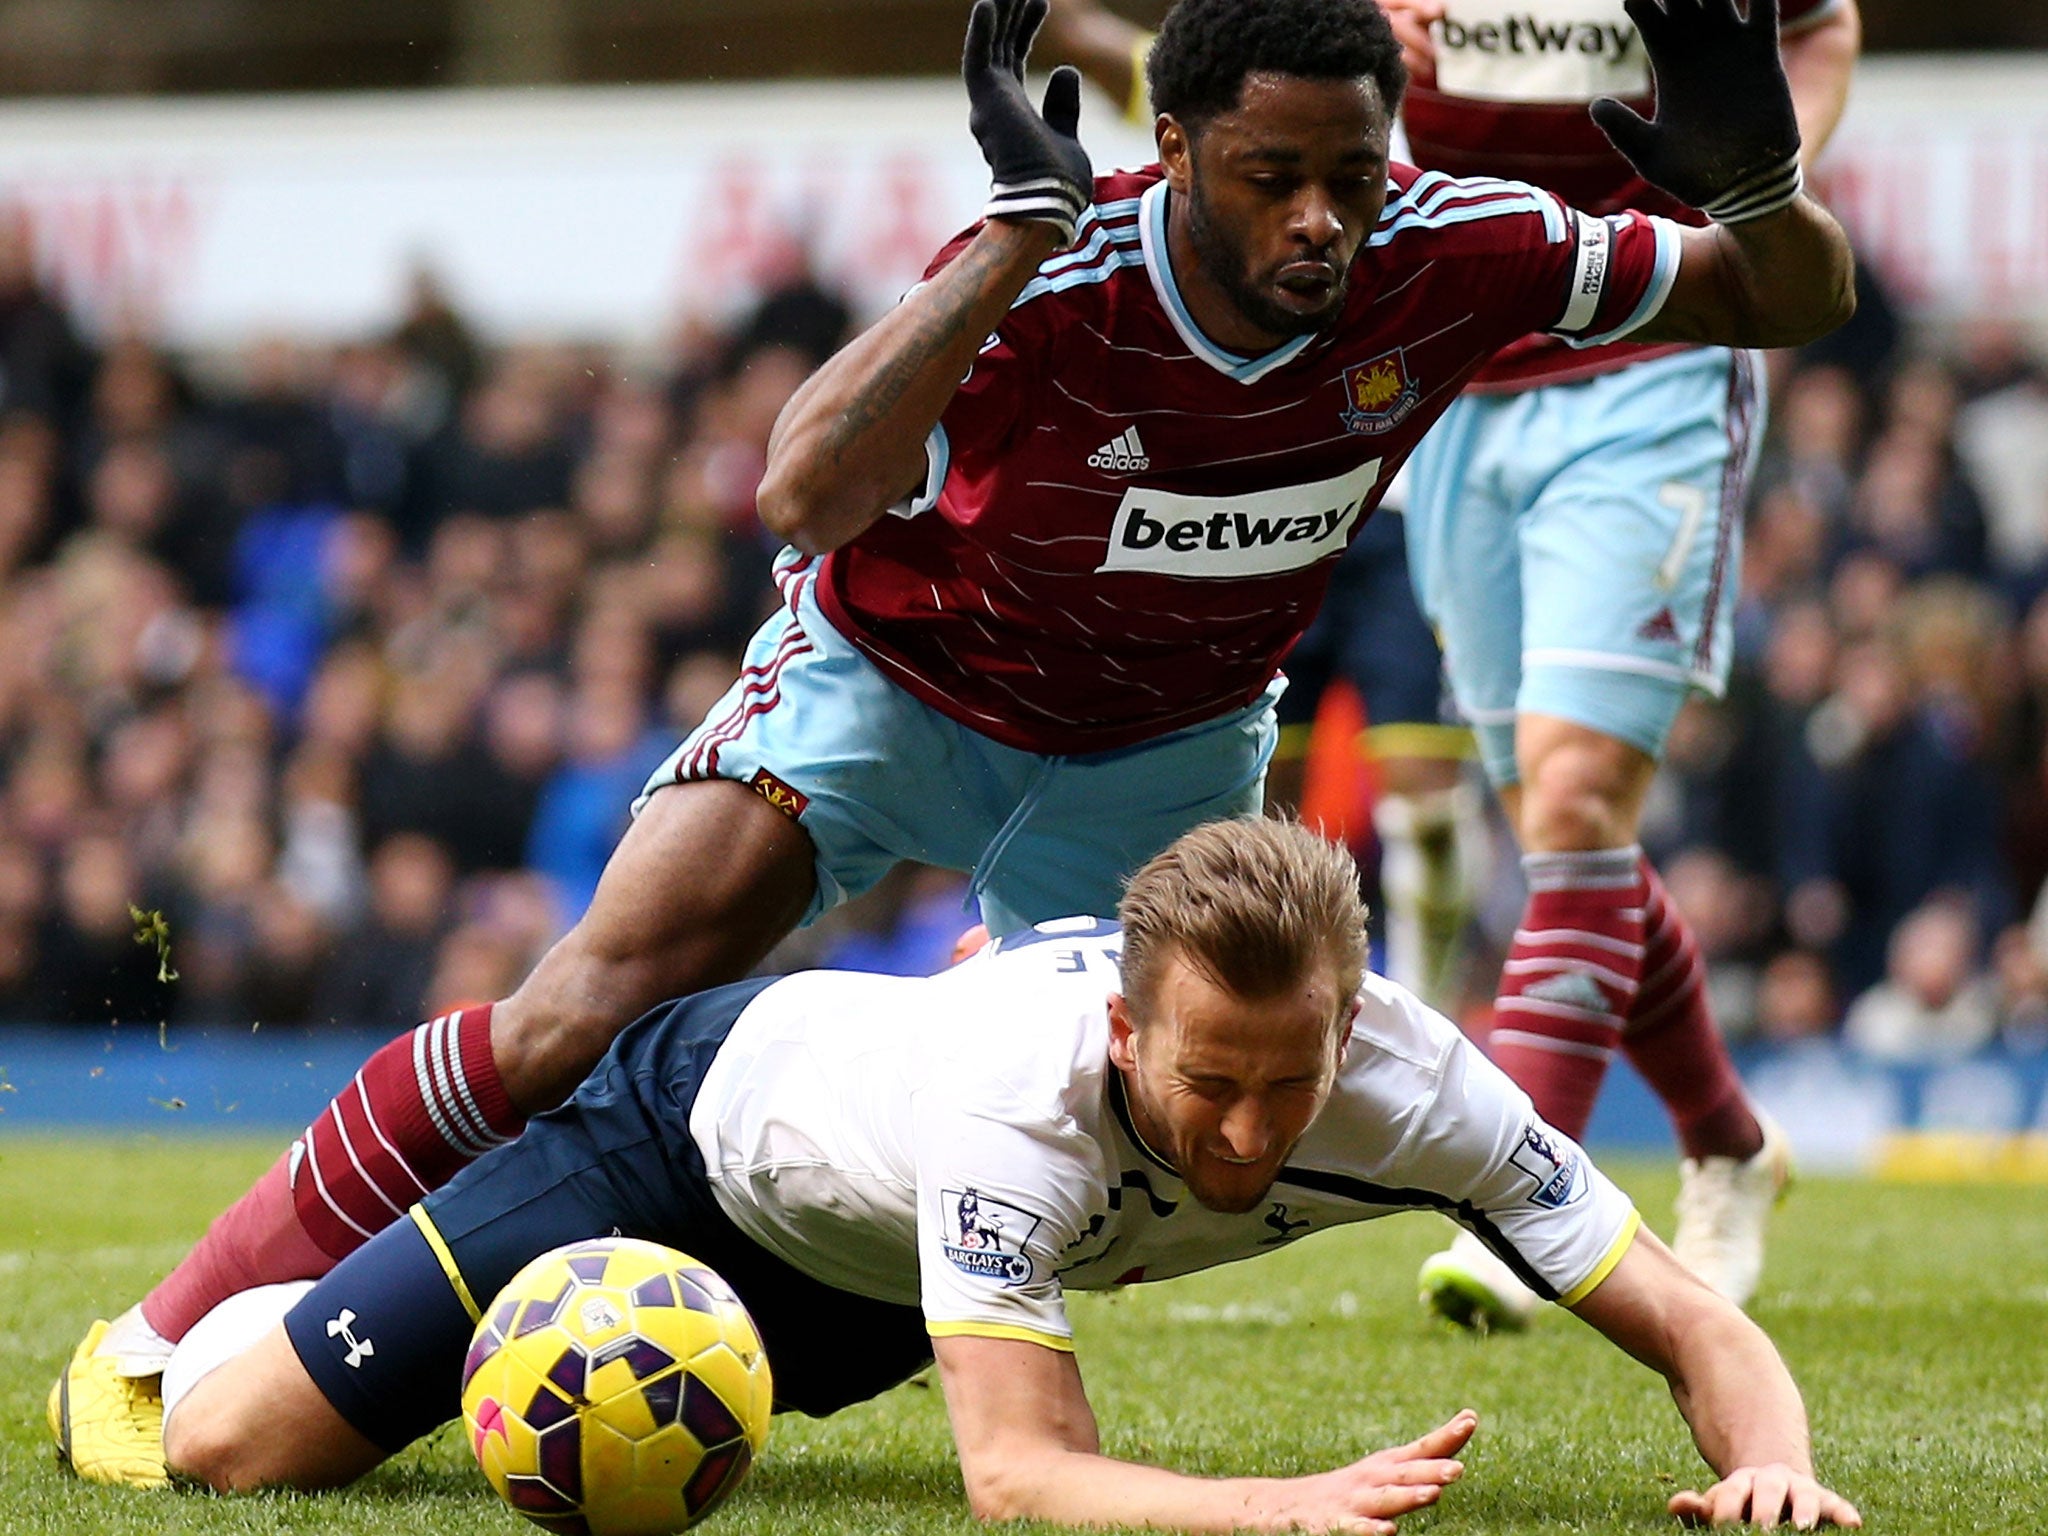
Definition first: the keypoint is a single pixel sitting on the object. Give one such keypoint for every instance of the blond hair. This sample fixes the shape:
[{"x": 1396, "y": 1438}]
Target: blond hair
[{"x": 1254, "y": 904}]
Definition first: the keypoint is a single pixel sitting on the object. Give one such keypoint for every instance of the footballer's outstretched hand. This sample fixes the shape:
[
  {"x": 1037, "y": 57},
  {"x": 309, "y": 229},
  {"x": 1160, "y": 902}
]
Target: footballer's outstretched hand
[
  {"x": 1042, "y": 174},
  {"x": 1768, "y": 1497},
  {"x": 1368, "y": 1496},
  {"x": 1725, "y": 138}
]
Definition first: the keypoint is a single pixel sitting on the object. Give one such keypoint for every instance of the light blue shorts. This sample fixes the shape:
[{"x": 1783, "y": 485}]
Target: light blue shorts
[
  {"x": 1576, "y": 545},
  {"x": 878, "y": 776}
]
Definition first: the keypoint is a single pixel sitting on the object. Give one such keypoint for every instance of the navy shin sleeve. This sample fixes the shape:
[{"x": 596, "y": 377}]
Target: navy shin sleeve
[{"x": 383, "y": 1336}]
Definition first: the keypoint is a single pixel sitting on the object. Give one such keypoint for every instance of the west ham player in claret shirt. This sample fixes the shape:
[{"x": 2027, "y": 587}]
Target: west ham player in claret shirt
[
  {"x": 1053, "y": 520},
  {"x": 1574, "y": 524},
  {"x": 1575, "y": 533}
]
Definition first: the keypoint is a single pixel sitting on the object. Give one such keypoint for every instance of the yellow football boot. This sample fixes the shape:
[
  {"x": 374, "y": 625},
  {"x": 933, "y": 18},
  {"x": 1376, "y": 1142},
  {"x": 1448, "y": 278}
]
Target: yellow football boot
[{"x": 109, "y": 1427}]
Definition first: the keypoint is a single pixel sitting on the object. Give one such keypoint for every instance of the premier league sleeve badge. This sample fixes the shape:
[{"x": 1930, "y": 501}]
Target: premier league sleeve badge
[{"x": 986, "y": 1238}]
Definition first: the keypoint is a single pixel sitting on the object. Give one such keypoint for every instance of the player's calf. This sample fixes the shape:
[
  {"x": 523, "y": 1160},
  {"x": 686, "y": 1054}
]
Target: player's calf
[{"x": 707, "y": 879}]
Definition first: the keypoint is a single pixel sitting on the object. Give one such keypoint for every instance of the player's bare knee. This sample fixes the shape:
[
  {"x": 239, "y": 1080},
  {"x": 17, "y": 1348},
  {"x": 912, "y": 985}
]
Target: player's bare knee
[
  {"x": 1562, "y": 816},
  {"x": 214, "y": 1446},
  {"x": 1579, "y": 796}
]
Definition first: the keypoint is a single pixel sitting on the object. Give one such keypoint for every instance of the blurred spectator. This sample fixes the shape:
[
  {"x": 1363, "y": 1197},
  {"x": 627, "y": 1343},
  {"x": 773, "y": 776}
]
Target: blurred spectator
[
  {"x": 505, "y": 454},
  {"x": 1886, "y": 805},
  {"x": 584, "y": 806},
  {"x": 1730, "y": 918},
  {"x": 1911, "y": 507},
  {"x": 2001, "y": 435},
  {"x": 91, "y": 969},
  {"x": 381, "y": 971},
  {"x": 287, "y": 955},
  {"x": 44, "y": 367},
  {"x": 311, "y": 653},
  {"x": 2021, "y": 961},
  {"x": 23, "y": 899},
  {"x": 436, "y": 337},
  {"x": 795, "y": 311},
  {"x": 1933, "y": 1004},
  {"x": 907, "y": 925},
  {"x": 1796, "y": 999}
]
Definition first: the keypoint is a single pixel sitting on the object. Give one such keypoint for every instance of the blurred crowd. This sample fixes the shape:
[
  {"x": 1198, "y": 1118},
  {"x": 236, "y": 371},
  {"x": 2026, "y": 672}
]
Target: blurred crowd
[
  {"x": 348, "y": 661},
  {"x": 1860, "y": 830}
]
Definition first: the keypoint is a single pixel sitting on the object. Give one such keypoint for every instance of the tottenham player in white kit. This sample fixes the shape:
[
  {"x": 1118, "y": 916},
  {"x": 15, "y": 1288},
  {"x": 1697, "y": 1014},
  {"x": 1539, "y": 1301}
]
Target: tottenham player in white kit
[
  {"x": 995, "y": 654},
  {"x": 891, "y": 1170}
]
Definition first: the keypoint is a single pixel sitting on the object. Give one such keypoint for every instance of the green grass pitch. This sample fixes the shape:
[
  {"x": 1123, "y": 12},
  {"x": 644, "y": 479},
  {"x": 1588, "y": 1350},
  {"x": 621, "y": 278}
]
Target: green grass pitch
[{"x": 1916, "y": 1319}]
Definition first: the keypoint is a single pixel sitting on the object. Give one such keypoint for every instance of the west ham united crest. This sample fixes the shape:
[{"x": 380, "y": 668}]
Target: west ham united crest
[
  {"x": 791, "y": 802},
  {"x": 1379, "y": 393}
]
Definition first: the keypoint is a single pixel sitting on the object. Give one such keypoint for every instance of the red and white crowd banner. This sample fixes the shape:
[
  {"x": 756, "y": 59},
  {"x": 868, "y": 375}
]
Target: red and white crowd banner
[
  {"x": 613, "y": 213},
  {"x": 1940, "y": 170},
  {"x": 604, "y": 213}
]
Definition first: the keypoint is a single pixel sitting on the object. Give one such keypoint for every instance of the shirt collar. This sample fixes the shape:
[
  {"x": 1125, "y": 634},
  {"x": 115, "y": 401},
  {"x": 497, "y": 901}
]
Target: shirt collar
[{"x": 1152, "y": 238}]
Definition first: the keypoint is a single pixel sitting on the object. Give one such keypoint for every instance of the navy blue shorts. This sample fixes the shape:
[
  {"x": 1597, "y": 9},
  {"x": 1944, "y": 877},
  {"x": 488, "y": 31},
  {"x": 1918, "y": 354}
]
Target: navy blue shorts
[
  {"x": 1371, "y": 633},
  {"x": 384, "y": 1334}
]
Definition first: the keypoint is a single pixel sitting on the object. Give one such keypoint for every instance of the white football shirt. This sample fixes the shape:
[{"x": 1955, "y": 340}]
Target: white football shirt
[{"x": 962, "y": 1143}]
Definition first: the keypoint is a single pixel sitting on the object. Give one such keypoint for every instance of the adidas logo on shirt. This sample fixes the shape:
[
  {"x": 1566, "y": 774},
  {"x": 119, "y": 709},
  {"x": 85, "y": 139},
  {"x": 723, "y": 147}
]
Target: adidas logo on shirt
[{"x": 1124, "y": 454}]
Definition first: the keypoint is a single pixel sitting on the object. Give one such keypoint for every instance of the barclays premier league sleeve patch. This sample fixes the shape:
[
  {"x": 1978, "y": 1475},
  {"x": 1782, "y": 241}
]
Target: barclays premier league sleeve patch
[
  {"x": 985, "y": 1238},
  {"x": 1557, "y": 1167}
]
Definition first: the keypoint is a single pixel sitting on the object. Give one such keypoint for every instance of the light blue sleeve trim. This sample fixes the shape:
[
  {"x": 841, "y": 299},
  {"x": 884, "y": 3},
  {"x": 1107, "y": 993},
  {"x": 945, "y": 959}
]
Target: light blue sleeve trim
[
  {"x": 1536, "y": 202},
  {"x": 1121, "y": 256},
  {"x": 1662, "y": 276},
  {"x": 938, "y": 458}
]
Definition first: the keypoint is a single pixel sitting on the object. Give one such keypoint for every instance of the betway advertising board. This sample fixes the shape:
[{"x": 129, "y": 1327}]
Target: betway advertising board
[{"x": 614, "y": 213}]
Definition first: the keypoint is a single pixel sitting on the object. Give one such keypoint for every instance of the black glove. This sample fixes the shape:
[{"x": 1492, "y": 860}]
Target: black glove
[
  {"x": 1042, "y": 174},
  {"x": 1725, "y": 138}
]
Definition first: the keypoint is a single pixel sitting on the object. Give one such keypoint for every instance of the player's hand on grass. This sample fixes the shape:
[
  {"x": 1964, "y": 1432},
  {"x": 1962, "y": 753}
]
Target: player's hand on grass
[
  {"x": 1411, "y": 20},
  {"x": 1725, "y": 138},
  {"x": 1767, "y": 1496},
  {"x": 1370, "y": 1495},
  {"x": 1042, "y": 174}
]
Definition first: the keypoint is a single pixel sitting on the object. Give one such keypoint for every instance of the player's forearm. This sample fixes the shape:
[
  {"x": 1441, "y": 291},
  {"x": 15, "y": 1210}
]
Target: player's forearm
[
  {"x": 851, "y": 440},
  {"x": 1779, "y": 281},
  {"x": 1736, "y": 1395},
  {"x": 1798, "y": 274},
  {"x": 1078, "y": 1488},
  {"x": 1819, "y": 64}
]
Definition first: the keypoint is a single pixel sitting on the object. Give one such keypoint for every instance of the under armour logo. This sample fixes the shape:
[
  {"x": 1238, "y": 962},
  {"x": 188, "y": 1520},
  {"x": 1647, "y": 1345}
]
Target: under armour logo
[{"x": 341, "y": 1327}]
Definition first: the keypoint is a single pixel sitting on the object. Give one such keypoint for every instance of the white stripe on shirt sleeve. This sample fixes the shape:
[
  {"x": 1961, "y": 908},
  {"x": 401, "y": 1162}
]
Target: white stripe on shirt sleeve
[{"x": 938, "y": 457}]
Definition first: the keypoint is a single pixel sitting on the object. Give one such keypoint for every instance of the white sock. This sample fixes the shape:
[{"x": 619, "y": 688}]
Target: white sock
[
  {"x": 230, "y": 1329},
  {"x": 1432, "y": 860},
  {"x": 137, "y": 1348}
]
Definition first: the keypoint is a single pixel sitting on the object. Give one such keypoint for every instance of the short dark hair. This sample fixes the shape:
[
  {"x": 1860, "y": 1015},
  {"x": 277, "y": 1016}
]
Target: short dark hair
[{"x": 1207, "y": 47}]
